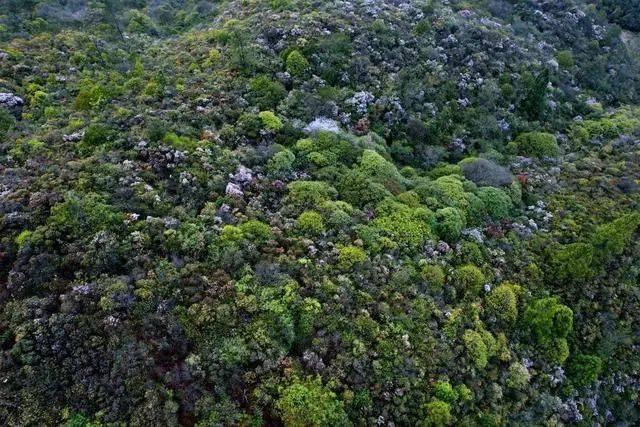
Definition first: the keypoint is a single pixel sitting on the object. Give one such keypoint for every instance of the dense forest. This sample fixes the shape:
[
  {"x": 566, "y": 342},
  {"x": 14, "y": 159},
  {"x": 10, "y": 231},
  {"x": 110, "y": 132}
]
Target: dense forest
[{"x": 319, "y": 213}]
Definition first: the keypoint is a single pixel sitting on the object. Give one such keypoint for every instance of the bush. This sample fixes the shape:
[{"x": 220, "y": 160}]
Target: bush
[
  {"x": 310, "y": 193},
  {"x": 584, "y": 369},
  {"x": 90, "y": 97},
  {"x": 445, "y": 392},
  {"x": 468, "y": 279},
  {"x": 249, "y": 125},
  {"x": 97, "y": 134},
  {"x": 565, "y": 59},
  {"x": 380, "y": 170},
  {"x": 349, "y": 256},
  {"x": 270, "y": 121},
  {"x": 611, "y": 239},
  {"x": 296, "y": 63},
  {"x": 534, "y": 144},
  {"x": 308, "y": 403},
  {"x": 310, "y": 222},
  {"x": 357, "y": 189},
  {"x": 6, "y": 122},
  {"x": 438, "y": 414},
  {"x": 449, "y": 223},
  {"x": 573, "y": 261},
  {"x": 266, "y": 93},
  {"x": 496, "y": 202},
  {"x": 476, "y": 348},
  {"x": 502, "y": 302},
  {"x": 404, "y": 225},
  {"x": 486, "y": 173},
  {"x": 550, "y": 323},
  {"x": 518, "y": 376},
  {"x": 433, "y": 275},
  {"x": 81, "y": 215},
  {"x": 281, "y": 162},
  {"x": 256, "y": 231}
]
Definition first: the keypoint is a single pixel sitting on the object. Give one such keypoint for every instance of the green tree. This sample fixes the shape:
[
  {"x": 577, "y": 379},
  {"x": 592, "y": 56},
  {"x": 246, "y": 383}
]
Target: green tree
[
  {"x": 449, "y": 223},
  {"x": 438, "y": 414},
  {"x": 297, "y": 64},
  {"x": 502, "y": 302},
  {"x": 584, "y": 369},
  {"x": 534, "y": 100},
  {"x": 309, "y": 403},
  {"x": 550, "y": 323}
]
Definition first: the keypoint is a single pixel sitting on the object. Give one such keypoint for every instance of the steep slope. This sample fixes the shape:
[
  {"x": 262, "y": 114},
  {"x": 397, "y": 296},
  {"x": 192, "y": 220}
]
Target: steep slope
[{"x": 319, "y": 213}]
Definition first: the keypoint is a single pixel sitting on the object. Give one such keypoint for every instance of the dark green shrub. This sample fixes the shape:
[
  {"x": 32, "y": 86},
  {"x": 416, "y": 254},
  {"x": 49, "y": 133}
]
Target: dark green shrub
[
  {"x": 565, "y": 59},
  {"x": 573, "y": 261},
  {"x": 433, "y": 275},
  {"x": 6, "y": 122},
  {"x": 266, "y": 93},
  {"x": 611, "y": 239},
  {"x": 468, "y": 279},
  {"x": 449, "y": 223},
  {"x": 497, "y": 203},
  {"x": 584, "y": 369},
  {"x": 486, "y": 173}
]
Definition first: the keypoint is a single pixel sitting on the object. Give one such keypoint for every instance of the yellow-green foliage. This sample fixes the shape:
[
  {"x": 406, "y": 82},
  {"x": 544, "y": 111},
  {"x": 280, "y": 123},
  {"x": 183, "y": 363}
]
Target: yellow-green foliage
[
  {"x": 438, "y": 414},
  {"x": 310, "y": 222},
  {"x": 550, "y": 323},
  {"x": 625, "y": 120},
  {"x": 433, "y": 275},
  {"x": 297, "y": 64},
  {"x": 22, "y": 238},
  {"x": 350, "y": 256},
  {"x": 502, "y": 302},
  {"x": 534, "y": 144},
  {"x": 310, "y": 193},
  {"x": 381, "y": 170},
  {"x": 308, "y": 403},
  {"x": 90, "y": 97},
  {"x": 270, "y": 121},
  {"x": 476, "y": 348},
  {"x": 468, "y": 279},
  {"x": 255, "y": 230},
  {"x": 404, "y": 225}
]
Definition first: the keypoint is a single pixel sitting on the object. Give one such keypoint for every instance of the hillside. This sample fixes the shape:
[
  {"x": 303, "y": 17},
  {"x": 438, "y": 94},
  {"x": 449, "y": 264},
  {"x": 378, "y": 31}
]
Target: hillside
[{"x": 319, "y": 213}]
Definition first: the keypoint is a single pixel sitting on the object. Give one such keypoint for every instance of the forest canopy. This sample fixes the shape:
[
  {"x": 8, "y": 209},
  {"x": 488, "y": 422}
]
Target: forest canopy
[{"x": 319, "y": 213}]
